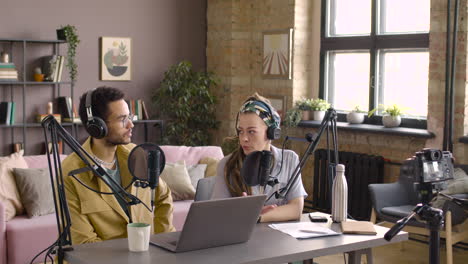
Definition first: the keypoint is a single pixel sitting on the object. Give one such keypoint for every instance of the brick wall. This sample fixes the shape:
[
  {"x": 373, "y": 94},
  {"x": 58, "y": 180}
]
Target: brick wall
[{"x": 235, "y": 53}]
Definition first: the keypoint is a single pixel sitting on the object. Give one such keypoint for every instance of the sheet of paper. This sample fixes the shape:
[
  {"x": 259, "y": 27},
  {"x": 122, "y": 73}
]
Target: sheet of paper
[{"x": 303, "y": 230}]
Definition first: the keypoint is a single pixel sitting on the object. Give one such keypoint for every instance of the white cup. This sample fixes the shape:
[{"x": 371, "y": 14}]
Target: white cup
[{"x": 138, "y": 236}]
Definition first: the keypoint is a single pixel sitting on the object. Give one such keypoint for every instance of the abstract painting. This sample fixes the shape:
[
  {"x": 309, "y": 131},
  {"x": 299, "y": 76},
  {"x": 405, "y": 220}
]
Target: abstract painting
[
  {"x": 116, "y": 59},
  {"x": 277, "y": 54}
]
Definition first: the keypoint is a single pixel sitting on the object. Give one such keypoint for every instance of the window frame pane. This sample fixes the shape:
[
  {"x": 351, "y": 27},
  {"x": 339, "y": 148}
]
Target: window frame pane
[{"x": 373, "y": 43}]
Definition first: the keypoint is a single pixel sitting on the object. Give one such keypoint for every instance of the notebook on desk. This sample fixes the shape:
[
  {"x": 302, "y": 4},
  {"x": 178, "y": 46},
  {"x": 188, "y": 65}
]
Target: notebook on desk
[{"x": 214, "y": 223}]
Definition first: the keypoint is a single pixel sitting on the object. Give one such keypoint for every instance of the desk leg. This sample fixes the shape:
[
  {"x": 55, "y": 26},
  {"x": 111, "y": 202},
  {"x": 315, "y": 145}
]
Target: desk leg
[{"x": 355, "y": 256}]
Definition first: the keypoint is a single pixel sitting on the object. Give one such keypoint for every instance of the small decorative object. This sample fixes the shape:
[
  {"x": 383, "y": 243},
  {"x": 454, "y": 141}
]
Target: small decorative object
[
  {"x": 5, "y": 57},
  {"x": 391, "y": 115},
  {"x": 339, "y": 210},
  {"x": 38, "y": 76},
  {"x": 319, "y": 106},
  {"x": 277, "y": 51},
  {"x": 50, "y": 110},
  {"x": 356, "y": 116},
  {"x": 70, "y": 34},
  {"x": 116, "y": 59}
]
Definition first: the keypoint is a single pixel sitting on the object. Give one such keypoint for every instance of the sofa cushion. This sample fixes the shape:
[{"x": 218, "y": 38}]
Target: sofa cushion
[
  {"x": 26, "y": 237},
  {"x": 9, "y": 194},
  {"x": 35, "y": 191},
  {"x": 211, "y": 166},
  {"x": 196, "y": 172},
  {"x": 177, "y": 178},
  {"x": 191, "y": 155}
]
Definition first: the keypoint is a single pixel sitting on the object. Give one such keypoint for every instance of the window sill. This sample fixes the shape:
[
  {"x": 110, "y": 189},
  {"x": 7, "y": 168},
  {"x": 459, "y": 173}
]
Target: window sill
[
  {"x": 397, "y": 131},
  {"x": 463, "y": 139}
]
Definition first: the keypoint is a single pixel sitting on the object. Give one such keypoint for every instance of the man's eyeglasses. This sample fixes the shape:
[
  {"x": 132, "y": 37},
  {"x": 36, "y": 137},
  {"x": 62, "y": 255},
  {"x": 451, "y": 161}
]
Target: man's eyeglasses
[{"x": 124, "y": 120}]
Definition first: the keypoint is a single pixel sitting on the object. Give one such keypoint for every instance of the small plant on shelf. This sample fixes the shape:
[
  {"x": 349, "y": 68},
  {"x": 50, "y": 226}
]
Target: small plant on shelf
[
  {"x": 70, "y": 35},
  {"x": 319, "y": 105}
]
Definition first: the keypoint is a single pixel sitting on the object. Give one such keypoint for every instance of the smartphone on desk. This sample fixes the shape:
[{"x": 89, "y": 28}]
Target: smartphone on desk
[{"x": 318, "y": 218}]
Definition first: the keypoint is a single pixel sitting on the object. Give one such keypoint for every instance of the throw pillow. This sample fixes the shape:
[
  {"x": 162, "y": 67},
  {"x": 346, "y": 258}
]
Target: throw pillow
[
  {"x": 177, "y": 178},
  {"x": 35, "y": 191},
  {"x": 9, "y": 194},
  {"x": 196, "y": 172},
  {"x": 212, "y": 165}
]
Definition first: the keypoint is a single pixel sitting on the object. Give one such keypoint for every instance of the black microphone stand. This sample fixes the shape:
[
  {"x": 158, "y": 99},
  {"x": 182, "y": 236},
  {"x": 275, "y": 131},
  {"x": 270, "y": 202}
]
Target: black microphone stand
[
  {"x": 328, "y": 121},
  {"x": 62, "y": 211}
]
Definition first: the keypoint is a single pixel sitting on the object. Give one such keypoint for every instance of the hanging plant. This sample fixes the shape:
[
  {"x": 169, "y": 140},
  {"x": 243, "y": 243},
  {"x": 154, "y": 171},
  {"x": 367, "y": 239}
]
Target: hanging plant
[{"x": 69, "y": 34}]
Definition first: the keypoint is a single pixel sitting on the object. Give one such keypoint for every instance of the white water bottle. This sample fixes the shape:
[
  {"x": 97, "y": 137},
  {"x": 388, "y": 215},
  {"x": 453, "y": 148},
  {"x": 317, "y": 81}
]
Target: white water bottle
[{"x": 339, "y": 210}]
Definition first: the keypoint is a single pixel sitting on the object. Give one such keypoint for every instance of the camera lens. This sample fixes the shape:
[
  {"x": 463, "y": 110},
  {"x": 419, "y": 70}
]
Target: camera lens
[{"x": 436, "y": 155}]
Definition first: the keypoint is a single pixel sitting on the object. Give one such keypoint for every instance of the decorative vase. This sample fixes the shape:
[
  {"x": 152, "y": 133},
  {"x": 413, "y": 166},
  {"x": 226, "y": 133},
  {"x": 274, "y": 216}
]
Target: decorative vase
[
  {"x": 391, "y": 121},
  {"x": 306, "y": 115},
  {"x": 38, "y": 77},
  {"x": 355, "y": 117},
  {"x": 319, "y": 115}
]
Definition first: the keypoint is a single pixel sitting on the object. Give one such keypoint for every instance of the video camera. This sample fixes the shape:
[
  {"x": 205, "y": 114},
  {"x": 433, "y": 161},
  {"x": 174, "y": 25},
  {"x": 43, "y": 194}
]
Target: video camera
[{"x": 428, "y": 169}]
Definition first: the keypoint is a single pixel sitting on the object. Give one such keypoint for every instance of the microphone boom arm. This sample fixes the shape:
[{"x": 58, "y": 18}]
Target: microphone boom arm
[
  {"x": 62, "y": 211},
  {"x": 328, "y": 120}
]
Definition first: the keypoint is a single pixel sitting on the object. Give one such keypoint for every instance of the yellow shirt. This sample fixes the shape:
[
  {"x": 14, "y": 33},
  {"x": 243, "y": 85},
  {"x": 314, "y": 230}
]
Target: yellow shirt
[{"x": 96, "y": 217}]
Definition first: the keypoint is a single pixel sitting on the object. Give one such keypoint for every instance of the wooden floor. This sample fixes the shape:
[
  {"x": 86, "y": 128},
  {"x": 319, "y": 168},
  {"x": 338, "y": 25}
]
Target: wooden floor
[{"x": 406, "y": 252}]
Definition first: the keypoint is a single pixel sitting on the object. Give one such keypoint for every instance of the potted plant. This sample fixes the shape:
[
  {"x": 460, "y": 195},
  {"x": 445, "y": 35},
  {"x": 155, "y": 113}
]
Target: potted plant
[
  {"x": 70, "y": 35},
  {"x": 356, "y": 116},
  {"x": 293, "y": 117},
  {"x": 319, "y": 106},
  {"x": 185, "y": 102},
  {"x": 391, "y": 115},
  {"x": 304, "y": 105}
]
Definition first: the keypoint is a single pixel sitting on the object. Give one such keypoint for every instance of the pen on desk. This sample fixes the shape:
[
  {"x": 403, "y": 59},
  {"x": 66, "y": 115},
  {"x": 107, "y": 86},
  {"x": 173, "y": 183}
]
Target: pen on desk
[{"x": 312, "y": 231}]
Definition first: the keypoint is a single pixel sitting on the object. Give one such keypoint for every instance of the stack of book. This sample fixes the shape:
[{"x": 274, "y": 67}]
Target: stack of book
[
  {"x": 7, "y": 113},
  {"x": 67, "y": 110},
  {"x": 8, "y": 72},
  {"x": 52, "y": 67}
]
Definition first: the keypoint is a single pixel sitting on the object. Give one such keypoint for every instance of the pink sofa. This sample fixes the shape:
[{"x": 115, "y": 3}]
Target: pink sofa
[{"x": 22, "y": 238}]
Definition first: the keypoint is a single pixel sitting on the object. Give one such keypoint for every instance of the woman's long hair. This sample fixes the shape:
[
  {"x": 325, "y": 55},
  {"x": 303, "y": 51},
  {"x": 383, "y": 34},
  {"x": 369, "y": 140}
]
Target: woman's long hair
[{"x": 234, "y": 181}]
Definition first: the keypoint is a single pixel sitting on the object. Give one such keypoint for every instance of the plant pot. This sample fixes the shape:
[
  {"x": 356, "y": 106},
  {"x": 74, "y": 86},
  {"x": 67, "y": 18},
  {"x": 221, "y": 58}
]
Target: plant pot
[
  {"x": 355, "y": 118},
  {"x": 319, "y": 115},
  {"x": 61, "y": 34},
  {"x": 391, "y": 121},
  {"x": 306, "y": 115}
]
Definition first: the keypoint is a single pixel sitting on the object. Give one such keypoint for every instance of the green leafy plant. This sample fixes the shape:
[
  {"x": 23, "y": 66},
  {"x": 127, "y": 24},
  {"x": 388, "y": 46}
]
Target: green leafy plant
[
  {"x": 357, "y": 109},
  {"x": 393, "y": 110},
  {"x": 319, "y": 105},
  {"x": 185, "y": 102},
  {"x": 71, "y": 36},
  {"x": 292, "y": 117},
  {"x": 304, "y": 104}
]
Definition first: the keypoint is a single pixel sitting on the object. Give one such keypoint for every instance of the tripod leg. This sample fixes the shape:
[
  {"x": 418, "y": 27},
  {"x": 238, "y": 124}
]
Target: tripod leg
[{"x": 448, "y": 236}]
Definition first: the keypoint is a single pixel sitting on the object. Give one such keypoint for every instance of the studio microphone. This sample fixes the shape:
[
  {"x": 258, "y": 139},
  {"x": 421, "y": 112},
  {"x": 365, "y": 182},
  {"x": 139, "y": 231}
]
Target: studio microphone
[
  {"x": 154, "y": 167},
  {"x": 256, "y": 168}
]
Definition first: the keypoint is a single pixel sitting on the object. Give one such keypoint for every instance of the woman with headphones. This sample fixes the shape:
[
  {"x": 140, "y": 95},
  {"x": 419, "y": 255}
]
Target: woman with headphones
[{"x": 257, "y": 124}]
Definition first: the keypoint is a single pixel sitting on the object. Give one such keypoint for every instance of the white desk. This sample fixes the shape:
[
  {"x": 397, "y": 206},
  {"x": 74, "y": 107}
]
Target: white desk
[{"x": 265, "y": 246}]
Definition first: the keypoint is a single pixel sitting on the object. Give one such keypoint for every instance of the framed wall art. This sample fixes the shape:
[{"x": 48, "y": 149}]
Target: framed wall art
[
  {"x": 115, "y": 59},
  {"x": 277, "y": 54}
]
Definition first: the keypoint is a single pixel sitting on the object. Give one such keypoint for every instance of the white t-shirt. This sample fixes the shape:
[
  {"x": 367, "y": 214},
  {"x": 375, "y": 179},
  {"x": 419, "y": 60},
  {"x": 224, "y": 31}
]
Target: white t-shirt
[{"x": 289, "y": 163}]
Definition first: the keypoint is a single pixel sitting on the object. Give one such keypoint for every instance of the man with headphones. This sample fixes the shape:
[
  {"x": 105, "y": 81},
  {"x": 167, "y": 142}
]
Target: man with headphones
[
  {"x": 99, "y": 216},
  {"x": 257, "y": 124}
]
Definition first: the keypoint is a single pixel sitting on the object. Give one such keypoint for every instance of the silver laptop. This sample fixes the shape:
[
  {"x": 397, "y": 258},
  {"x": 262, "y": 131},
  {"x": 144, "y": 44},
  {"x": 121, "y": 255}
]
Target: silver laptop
[{"x": 214, "y": 223}]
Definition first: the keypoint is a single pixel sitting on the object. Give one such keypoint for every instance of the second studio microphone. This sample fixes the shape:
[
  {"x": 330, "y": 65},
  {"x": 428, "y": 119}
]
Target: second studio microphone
[{"x": 256, "y": 168}]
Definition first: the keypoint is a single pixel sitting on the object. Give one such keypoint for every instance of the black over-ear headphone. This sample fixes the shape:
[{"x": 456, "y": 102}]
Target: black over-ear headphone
[
  {"x": 95, "y": 126},
  {"x": 273, "y": 131}
]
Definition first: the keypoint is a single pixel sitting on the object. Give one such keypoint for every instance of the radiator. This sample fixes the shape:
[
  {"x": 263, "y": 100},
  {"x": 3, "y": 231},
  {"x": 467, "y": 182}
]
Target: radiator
[{"x": 360, "y": 170}]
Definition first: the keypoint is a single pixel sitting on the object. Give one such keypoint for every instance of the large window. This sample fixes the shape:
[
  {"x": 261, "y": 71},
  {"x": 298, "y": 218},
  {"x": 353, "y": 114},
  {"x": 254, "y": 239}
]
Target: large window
[{"x": 376, "y": 52}]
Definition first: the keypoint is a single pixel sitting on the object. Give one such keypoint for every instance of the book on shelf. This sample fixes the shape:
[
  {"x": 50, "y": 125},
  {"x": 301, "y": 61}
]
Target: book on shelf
[
  {"x": 145, "y": 112},
  {"x": 60, "y": 68},
  {"x": 64, "y": 106},
  {"x": 7, "y": 113},
  {"x": 3, "y": 112},
  {"x": 7, "y": 65},
  {"x": 13, "y": 111}
]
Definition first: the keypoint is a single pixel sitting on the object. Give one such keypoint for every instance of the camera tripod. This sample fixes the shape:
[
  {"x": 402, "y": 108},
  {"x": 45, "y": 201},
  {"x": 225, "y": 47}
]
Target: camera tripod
[{"x": 434, "y": 219}]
